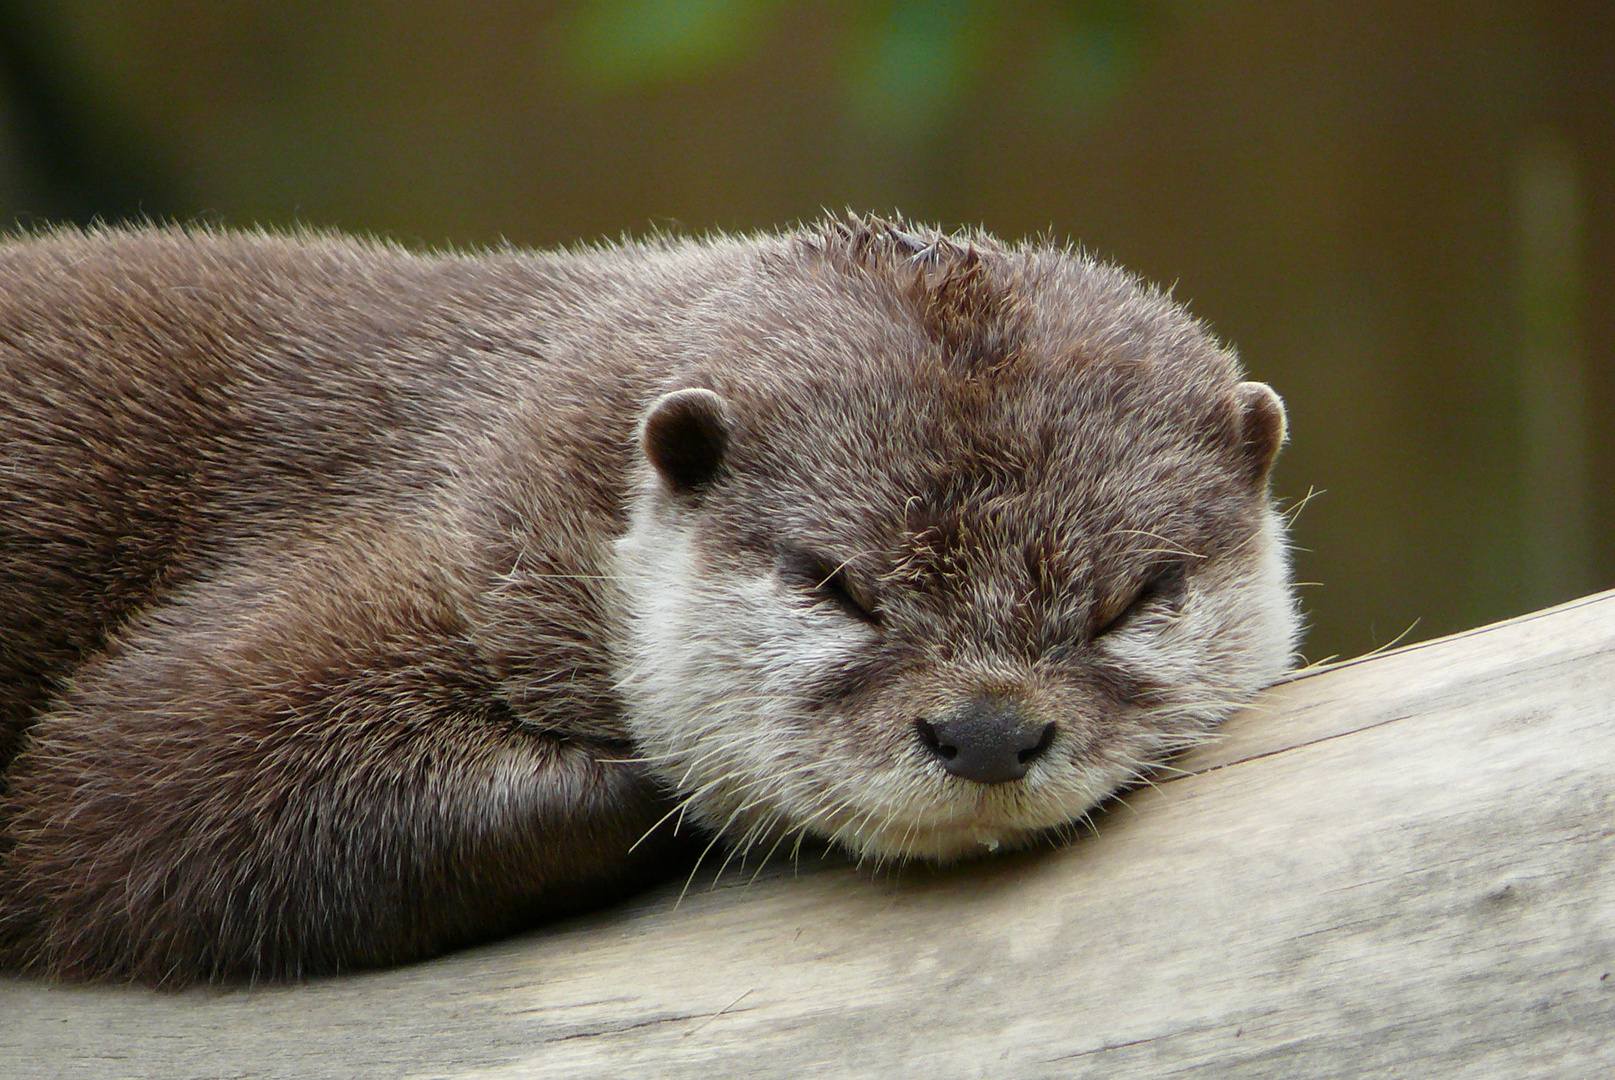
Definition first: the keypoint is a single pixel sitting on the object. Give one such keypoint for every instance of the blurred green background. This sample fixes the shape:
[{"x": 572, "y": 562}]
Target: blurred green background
[{"x": 1402, "y": 214}]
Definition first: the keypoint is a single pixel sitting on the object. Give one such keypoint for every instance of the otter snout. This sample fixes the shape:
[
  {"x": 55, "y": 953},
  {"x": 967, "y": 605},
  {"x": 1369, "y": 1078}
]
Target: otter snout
[{"x": 990, "y": 740}]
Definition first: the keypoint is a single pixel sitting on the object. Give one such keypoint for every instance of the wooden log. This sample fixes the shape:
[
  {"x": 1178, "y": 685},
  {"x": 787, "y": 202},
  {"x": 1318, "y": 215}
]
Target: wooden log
[{"x": 1400, "y": 866}]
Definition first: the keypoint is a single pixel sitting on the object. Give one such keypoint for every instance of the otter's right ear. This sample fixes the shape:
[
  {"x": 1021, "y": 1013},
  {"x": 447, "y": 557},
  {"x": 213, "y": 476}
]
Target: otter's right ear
[
  {"x": 685, "y": 437},
  {"x": 1262, "y": 427}
]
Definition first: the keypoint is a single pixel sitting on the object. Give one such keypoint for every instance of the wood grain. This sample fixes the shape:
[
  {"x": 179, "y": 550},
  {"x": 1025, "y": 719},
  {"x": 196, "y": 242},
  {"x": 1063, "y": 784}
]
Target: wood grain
[{"x": 1396, "y": 867}]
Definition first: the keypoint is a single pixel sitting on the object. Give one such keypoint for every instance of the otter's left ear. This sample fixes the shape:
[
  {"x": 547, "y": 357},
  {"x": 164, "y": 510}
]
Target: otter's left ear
[
  {"x": 1262, "y": 427},
  {"x": 685, "y": 436}
]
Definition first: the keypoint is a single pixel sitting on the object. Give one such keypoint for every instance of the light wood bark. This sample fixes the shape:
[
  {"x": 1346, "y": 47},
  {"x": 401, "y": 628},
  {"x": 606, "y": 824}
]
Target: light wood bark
[{"x": 1396, "y": 867}]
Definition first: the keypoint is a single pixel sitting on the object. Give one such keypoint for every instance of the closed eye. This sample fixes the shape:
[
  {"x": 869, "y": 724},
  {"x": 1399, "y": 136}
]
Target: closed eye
[
  {"x": 827, "y": 581},
  {"x": 1165, "y": 586}
]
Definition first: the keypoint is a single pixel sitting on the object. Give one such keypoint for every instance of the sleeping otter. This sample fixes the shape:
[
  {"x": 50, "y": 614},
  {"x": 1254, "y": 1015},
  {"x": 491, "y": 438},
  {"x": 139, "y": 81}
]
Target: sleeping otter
[{"x": 357, "y": 604}]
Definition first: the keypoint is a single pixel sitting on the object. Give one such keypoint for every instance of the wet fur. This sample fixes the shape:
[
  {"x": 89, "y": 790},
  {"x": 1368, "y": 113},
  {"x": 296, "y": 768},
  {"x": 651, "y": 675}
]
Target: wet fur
[{"x": 344, "y": 616}]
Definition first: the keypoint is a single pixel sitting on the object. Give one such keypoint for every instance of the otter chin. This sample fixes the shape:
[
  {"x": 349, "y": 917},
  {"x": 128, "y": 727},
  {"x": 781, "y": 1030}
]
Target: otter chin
[{"x": 357, "y": 604}]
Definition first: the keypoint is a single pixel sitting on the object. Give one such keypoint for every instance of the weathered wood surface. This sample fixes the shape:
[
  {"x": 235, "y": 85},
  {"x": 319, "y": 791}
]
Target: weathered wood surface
[{"x": 1398, "y": 867}]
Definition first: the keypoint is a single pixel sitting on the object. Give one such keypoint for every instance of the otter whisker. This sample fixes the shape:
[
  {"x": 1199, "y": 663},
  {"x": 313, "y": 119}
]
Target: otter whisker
[
  {"x": 1174, "y": 549},
  {"x": 1292, "y": 514},
  {"x": 773, "y": 823}
]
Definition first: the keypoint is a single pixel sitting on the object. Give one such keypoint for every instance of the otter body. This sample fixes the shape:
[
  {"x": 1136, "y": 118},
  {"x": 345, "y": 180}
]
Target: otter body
[{"x": 357, "y": 604}]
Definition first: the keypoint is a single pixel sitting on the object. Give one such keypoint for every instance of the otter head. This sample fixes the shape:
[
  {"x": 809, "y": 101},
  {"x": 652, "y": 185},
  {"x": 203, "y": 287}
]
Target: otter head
[{"x": 936, "y": 543}]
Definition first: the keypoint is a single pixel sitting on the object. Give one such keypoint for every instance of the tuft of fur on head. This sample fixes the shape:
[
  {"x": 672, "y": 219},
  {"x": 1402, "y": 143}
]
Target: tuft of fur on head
[{"x": 932, "y": 470}]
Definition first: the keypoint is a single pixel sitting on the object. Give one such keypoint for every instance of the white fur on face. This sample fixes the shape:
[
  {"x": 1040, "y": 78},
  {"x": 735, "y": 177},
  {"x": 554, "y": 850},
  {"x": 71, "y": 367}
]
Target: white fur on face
[
  {"x": 719, "y": 662},
  {"x": 1235, "y": 632}
]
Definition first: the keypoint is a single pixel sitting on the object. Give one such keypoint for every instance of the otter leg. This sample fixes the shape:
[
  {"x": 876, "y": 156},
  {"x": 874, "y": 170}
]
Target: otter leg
[{"x": 272, "y": 775}]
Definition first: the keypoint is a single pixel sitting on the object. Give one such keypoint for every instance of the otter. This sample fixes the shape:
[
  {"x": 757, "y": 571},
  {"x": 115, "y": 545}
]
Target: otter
[{"x": 358, "y": 604}]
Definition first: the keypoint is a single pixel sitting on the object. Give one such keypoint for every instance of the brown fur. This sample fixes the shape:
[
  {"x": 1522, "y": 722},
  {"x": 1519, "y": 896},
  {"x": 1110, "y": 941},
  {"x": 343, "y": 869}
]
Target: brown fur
[{"x": 313, "y": 643}]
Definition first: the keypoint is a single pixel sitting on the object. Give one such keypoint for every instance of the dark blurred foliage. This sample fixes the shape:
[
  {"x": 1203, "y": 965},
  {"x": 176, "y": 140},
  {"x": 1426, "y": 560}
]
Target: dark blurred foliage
[
  {"x": 1403, "y": 214},
  {"x": 69, "y": 159}
]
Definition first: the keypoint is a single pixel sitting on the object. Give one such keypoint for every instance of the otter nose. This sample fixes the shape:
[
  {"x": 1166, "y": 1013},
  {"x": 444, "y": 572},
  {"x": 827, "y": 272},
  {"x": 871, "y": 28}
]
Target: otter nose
[{"x": 988, "y": 740}]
